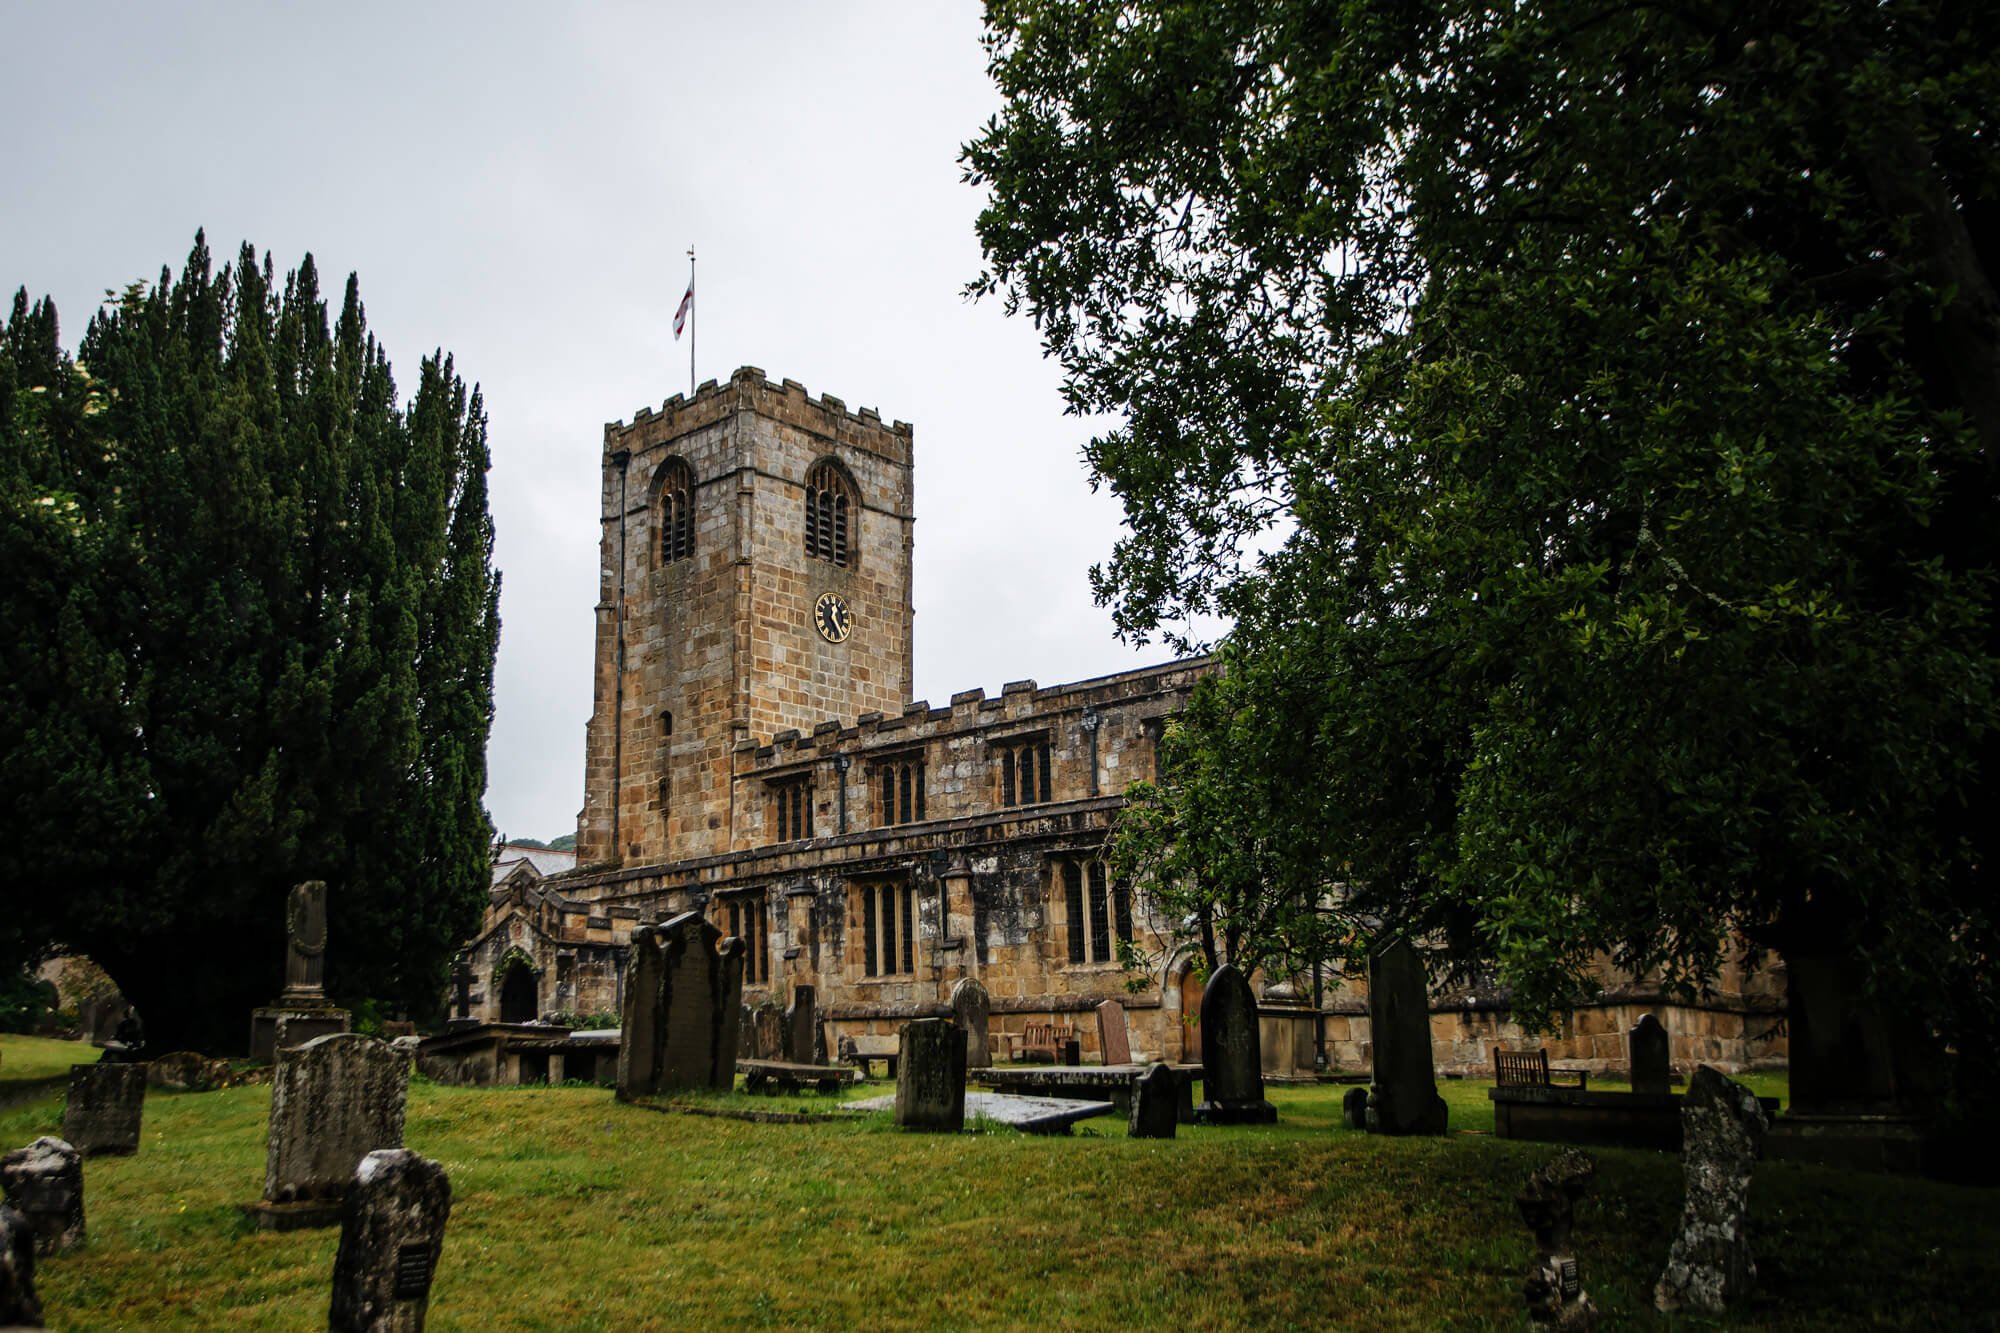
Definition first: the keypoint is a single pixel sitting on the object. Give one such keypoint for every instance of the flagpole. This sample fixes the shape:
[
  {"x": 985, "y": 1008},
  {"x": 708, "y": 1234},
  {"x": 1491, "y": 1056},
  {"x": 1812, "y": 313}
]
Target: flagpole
[{"x": 691, "y": 323}]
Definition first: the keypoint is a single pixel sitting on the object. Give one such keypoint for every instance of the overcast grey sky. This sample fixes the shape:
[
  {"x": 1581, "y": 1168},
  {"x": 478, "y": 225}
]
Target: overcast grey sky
[{"x": 519, "y": 185}]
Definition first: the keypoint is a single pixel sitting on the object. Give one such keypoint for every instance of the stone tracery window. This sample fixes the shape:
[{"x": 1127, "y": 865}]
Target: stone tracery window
[
  {"x": 828, "y": 499},
  {"x": 1099, "y": 912},
  {"x": 888, "y": 923},
  {"x": 745, "y": 917},
  {"x": 900, "y": 790},
  {"x": 674, "y": 488},
  {"x": 1024, "y": 770},
  {"x": 792, "y": 809}
]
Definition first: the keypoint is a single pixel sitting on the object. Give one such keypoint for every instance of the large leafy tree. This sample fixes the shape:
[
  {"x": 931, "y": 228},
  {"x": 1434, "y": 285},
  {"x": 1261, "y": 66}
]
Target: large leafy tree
[
  {"x": 252, "y": 619},
  {"x": 1601, "y": 401}
]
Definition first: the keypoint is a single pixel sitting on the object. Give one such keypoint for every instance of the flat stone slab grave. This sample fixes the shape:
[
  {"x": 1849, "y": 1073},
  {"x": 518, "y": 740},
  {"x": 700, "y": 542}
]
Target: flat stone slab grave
[
  {"x": 1030, "y": 1115},
  {"x": 1089, "y": 1082},
  {"x": 775, "y": 1075}
]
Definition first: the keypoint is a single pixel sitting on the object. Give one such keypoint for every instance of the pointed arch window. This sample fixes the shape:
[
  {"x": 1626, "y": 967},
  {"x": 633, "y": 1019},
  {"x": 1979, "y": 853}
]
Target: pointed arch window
[
  {"x": 674, "y": 484},
  {"x": 829, "y": 497}
]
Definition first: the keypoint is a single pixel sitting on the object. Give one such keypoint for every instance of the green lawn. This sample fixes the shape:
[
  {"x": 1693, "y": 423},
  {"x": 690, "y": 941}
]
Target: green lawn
[
  {"x": 575, "y": 1212},
  {"x": 23, "y": 1059}
]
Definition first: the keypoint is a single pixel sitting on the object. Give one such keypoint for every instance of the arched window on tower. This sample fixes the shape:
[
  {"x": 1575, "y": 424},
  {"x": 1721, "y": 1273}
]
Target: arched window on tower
[
  {"x": 828, "y": 499},
  {"x": 674, "y": 486}
]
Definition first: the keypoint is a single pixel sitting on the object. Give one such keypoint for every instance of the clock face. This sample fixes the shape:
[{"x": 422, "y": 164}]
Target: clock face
[{"x": 832, "y": 618}]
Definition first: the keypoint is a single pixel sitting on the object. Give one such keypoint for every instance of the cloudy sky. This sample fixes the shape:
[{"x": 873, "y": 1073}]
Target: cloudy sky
[{"x": 519, "y": 184}]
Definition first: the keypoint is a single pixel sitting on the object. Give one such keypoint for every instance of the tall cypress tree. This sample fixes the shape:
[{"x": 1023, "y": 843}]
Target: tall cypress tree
[{"x": 258, "y": 619}]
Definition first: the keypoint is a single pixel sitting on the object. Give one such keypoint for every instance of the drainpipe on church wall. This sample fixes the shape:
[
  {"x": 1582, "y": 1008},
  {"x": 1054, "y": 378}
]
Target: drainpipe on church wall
[
  {"x": 840, "y": 766},
  {"x": 1090, "y": 723}
]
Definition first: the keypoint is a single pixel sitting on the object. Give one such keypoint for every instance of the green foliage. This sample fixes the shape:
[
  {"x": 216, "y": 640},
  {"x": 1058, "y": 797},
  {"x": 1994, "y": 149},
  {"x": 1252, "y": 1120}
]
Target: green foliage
[
  {"x": 24, "y": 1001},
  {"x": 253, "y": 620},
  {"x": 1593, "y": 412}
]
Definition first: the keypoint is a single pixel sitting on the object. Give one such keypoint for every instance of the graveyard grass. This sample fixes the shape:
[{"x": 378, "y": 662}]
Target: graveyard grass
[
  {"x": 572, "y": 1211},
  {"x": 26, "y": 1059}
]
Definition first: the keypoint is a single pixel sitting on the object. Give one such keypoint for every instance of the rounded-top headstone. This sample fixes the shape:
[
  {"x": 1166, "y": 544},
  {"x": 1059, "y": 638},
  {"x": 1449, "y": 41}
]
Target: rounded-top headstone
[
  {"x": 972, "y": 1010},
  {"x": 1232, "y": 1057}
]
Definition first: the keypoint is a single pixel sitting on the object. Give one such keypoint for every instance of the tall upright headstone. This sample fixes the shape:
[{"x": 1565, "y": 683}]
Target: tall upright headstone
[
  {"x": 1114, "y": 1041},
  {"x": 1651, "y": 1060},
  {"x": 930, "y": 1076},
  {"x": 1232, "y": 1058},
  {"x": 19, "y": 1307},
  {"x": 44, "y": 1183},
  {"x": 804, "y": 1042},
  {"x": 303, "y": 1003},
  {"x": 391, "y": 1235},
  {"x": 1709, "y": 1267},
  {"x": 1403, "y": 1097},
  {"x": 972, "y": 1010},
  {"x": 683, "y": 1000},
  {"x": 334, "y": 1100},
  {"x": 101, "y": 1118}
]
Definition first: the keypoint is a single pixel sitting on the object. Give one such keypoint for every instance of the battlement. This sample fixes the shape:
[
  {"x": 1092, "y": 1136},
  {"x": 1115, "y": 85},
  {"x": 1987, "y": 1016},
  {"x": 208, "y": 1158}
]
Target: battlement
[{"x": 749, "y": 390}]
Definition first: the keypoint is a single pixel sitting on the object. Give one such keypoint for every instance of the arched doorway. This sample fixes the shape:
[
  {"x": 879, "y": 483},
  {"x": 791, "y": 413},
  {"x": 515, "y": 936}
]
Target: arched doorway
[
  {"x": 520, "y": 995},
  {"x": 1191, "y": 989}
]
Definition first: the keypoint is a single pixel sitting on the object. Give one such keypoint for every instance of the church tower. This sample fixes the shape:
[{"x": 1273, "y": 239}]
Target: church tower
[{"x": 755, "y": 577}]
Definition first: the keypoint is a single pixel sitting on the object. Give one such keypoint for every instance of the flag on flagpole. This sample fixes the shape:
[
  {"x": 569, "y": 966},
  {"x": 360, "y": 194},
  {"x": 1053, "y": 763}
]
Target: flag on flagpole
[{"x": 681, "y": 315}]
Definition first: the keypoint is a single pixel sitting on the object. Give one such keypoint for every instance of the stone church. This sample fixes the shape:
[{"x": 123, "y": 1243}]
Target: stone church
[{"x": 753, "y": 754}]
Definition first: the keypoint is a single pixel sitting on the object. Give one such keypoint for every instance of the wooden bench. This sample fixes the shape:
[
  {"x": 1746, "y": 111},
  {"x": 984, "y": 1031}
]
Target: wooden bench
[
  {"x": 1043, "y": 1041},
  {"x": 862, "y": 1051},
  {"x": 775, "y": 1076},
  {"x": 1530, "y": 1069}
]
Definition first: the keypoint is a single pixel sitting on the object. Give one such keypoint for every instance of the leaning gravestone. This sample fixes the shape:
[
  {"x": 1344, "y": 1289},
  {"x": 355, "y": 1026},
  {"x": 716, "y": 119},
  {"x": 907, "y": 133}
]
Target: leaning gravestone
[
  {"x": 1114, "y": 1043},
  {"x": 105, "y": 1105},
  {"x": 1155, "y": 1104},
  {"x": 44, "y": 1183},
  {"x": 19, "y": 1307},
  {"x": 930, "y": 1076},
  {"x": 1709, "y": 1267},
  {"x": 1403, "y": 1099},
  {"x": 682, "y": 1003},
  {"x": 1651, "y": 1063},
  {"x": 334, "y": 1100},
  {"x": 972, "y": 1010},
  {"x": 1232, "y": 1059},
  {"x": 1554, "y": 1289},
  {"x": 804, "y": 1043},
  {"x": 391, "y": 1234}
]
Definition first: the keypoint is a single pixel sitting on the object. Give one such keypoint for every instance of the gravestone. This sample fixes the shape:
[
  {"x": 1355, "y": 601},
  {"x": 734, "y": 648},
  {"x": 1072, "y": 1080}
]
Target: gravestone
[
  {"x": 1114, "y": 1043},
  {"x": 1155, "y": 1104},
  {"x": 1232, "y": 1060},
  {"x": 334, "y": 1100},
  {"x": 391, "y": 1234},
  {"x": 105, "y": 1104},
  {"x": 1709, "y": 1267},
  {"x": 1651, "y": 1062},
  {"x": 767, "y": 1037},
  {"x": 930, "y": 1076},
  {"x": 187, "y": 1071},
  {"x": 1554, "y": 1289},
  {"x": 972, "y": 1010},
  {"x": 303, "y": 1003},
  {"x": 44, "y": 1183},
  {"x": 1403, "y": 1099},
  {"x": 804, "y": 1042},
  {"x": 1354, "y": 1108},
  {"x": 683, "y": 1000},
  {"x": 18, "y": 1306}
]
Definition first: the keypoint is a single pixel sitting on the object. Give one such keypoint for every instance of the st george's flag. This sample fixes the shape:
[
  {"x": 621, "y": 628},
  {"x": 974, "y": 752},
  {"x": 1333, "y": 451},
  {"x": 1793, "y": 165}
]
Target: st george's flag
[{"x": 681, "y": 315}]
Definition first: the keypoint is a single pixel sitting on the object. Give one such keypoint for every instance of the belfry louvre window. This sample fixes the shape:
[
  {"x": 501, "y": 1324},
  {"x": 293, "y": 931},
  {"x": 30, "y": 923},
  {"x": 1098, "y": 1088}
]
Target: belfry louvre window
[
  {"x": 1024, "y": 771},
  {"x": 828, "y": 499},
  {"x": 1099, "y": 914},
  {"x": 888, "y": 928},
  {"x": 792, "y": 809},
  {"x": 675, "y": 484},
  {"x": 744, "y": 918},
  {"x": 899, "y": 787}
]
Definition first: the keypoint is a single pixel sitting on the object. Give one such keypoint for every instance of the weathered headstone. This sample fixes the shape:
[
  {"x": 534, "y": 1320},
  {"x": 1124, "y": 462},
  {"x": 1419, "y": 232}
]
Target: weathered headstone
[
  {"x": 1554, "y": 1289},
  {"x": 186, "y": 1071},
  {"x": 19, "y": 1307},
  {"x": 303, "y": 1003},
  {"x": 1403, "y": 1099},
  {"x": 683, "y": 1000},
  {"x": 334, "y": 1100},
  {"x": 803, "y": 1041},
  {"x": 1709, "y": 1267},
  {"x": 391, "y": 1234},
  {"x": 1354, "y": 1108},
  {"x": 930, "y": 1077},
  {"x": 44, "y": 1183},
  {"x": 1650, "y": 1055},
  {"x": 1114, "y": 1043},
  {"x": 1155, "y": 1104},
  {"x": 105, "y": 1105},
  {"x": 972, "y": 1010},
  {"x": 1232, "y": 1060}
]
